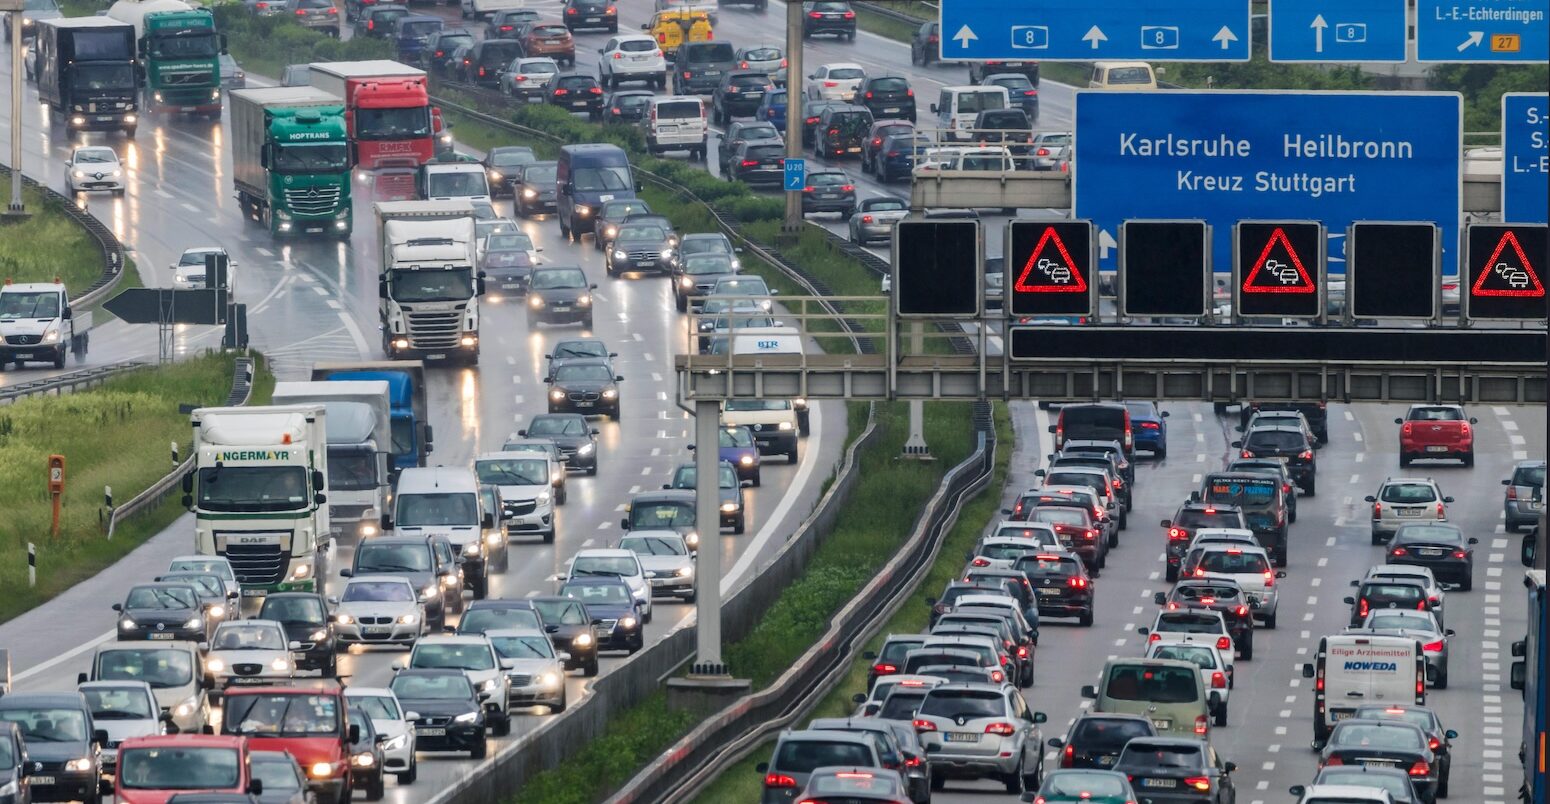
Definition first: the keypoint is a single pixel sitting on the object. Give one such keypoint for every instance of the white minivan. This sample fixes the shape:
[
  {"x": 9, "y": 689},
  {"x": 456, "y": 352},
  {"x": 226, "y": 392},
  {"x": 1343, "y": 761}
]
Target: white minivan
[
  {"x": 677, "y": 123},
  {"x": 957, "y": 107},
  {"x": 1353, "y": 670}
]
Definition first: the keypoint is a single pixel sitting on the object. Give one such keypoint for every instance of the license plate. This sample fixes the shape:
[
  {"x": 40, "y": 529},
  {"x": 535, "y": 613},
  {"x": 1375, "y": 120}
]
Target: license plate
[
  {"x": 713, "y": 72},
  {"x": 581, "y": 104},
  {"x": 435, "y": 357},
  {"x": 1051, "y": 592},
  {"x": 892, "y": 109},
  {"x": 1159, "y": 782},
  {"x": 240, "y": 680},
  {"x": 1437, "y": 449},
  {"x": 104, "y": 118},
  {"x": 856, "y": 150},
  {"x": 376, "y": 629},
  {"x": 252, "y": 593},
  {"x": 586, "y": 404},
  {"x": 23, "y": 356},
  {"x": 42, "y": 780},
  {"x": 1409, "y": 511},
  {"x": 594, "y": 19},
  {"x": 1339, "y": 716},
  {"x": 161, "y": 635},
  {"x": 1430, "y": 551},
  {"x": 1378, "y": 763},
  {"x": 560, "y": 308},
  {"x": 430, "y": 732},
  {"x": 961, "y": 737},
  {"x": 511, "y": 286},
  {"x": 1162, "y": 724},
  {"x": 1283, "y": 458}
]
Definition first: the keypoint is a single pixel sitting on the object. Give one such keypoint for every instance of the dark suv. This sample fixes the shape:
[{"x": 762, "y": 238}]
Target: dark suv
[
  {"x": 829, "y": 17},
  {"x": 1191, "y": 517},
  {"x": 437, "y": 52},
  {"x": 842, "y": 131},
  {"x": 738, "y": 95},
  {"x": 1317, "y": 414},
  {"x": 887, "y": 96},
  {"x": 304, "y": 616},
  {"x": 829, "y": 191},
  {"x": 483, "y": 63},
  {"x": 925, "y": 44},
  {"x": 1061, "y": 582},
  {"x": 698, "y": 66},
  {"x": 1289, "y": 443},
  {"x": 1009, "y": 127},
  {"x": 577, "y": 93},
  {"x": 1217, "y": 594},
  {"x": 1095, "y": 739}
]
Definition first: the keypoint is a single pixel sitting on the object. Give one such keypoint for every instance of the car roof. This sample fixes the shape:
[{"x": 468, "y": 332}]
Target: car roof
[
  {"x": 353, "y": 691},
  {"x": 605, "y": 552},
  {"x": 826, "y": 735}
]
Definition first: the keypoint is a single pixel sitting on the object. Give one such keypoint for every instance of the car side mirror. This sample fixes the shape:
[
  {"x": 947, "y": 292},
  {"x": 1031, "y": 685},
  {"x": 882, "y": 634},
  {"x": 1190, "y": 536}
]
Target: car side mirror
[
  {"x": 1350, "y": 601},
  {"x": 645, "y": 26},
  {"x": 1230, "y": 767},
  {"x": 318, "y": 481},
  {"x": 1451, "y": 734},
  {"x": 347, "y": 573},
  {"x": 858, "y": 698},
  {"x": 1297, "y": 790},
  {"x": 1398, "y": 420},
  {"x": 618, "y": 378},
  {"x": 1507, "y": 482},
  {"x": 1040, "y": 717},
  {"x": 600, "y": 50},
  {"x": 168, "y": 727},
  {"x": 255, "y": 786},
  {"x": 1447, "y": 632},
  {"x": 1356, "y": 583},
  {"x": 82, "y": 678},
  {"x": 100, "y": 736},
  {"x": 1040, "y": 473},
  {"x": 1166, "y": 414},
  {"x": 1055, "y": 742},
  {"x": 1090, "y": 692},
  {"x": 1143, "y": 630},
  {"x": 1370, "y": 498},
  {"x": 594, "y": 432},
  {"x": 1167, "y": 523},
  {"x": 119, "y": 607},
  {"x": 354, "y": 734},
  {"x": 666, "y": 486},
  {"x": 869, "y": 655},
  {"x": 1447, "y": 499},
  {"x": 930, "y": 601},
  {"x": 1307, "y": 670},
  {"x": 1052, "y": 428},
  {"x": 747, "y": 484},
  {"x": 1280, "y": 573},
  {"x": 333, "y": 601},
  {"x": 489, "y": 521},
  {"x": 1519, "y": 675},
  {"x": 1160, "y": 598},
  {"x": 188, "y": 483},
  {"x": 1519, "y": 648},
  {"x": 522, "y": 433},
  {"x": 933, "y": 109},
  {"x": 1471, "y": 540},
  {"x": 1238, "y": 444}
]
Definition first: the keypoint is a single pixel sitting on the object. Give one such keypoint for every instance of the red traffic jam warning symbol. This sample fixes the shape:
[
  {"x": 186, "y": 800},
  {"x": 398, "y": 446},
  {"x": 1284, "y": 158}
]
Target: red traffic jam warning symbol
[
  {"x": 1279, "y": 269},
  {"x": 1508, "y": 273},
  {"x": 1054, "y": 272}
]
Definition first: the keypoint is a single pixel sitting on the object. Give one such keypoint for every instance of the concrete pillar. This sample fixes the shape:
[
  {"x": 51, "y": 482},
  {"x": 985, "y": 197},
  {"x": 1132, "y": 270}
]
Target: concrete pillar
[{"x": 707, "y": 571}]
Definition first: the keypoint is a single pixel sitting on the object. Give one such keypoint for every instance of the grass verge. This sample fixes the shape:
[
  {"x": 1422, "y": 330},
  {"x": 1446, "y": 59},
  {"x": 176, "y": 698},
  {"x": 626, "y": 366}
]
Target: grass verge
[
  {"x": 47, "y": 244},
  {"x": 91, "y": 428},
  {"x": 741, "y": 782}
]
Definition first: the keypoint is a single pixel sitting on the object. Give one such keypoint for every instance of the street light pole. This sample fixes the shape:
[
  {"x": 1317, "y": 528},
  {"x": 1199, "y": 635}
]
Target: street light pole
[
  {"x": 14, "y": 7},
  {"x": 794, "y": 124}
]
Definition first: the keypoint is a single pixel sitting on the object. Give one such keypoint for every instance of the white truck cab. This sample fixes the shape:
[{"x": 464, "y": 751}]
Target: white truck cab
[
  {"x": 37, "y": 324},
  {"x": 445, "y": 181}
]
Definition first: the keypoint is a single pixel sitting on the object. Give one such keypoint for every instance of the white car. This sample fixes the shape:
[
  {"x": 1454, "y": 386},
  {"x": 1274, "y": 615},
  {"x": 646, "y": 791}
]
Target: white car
[
  {"x": 475, "y": 656},
  {"x": 378, "y": 610},
  {"x": 836, "y": 81},
  {"x": 1191, "y": 626},
  {"x": 667, "y": 559},
  {"x": 212, "y": 565},
  {"x": 388, "y": 717},
  {"x": 249, "y": 653},
  {"x": 1238, "y": 537},
  {"x": 190, "y": 268},
  {"x": 527, "y": 490},
  {"x": 1249, "y": 566},
  {"x": 1001, "y": 552},
  {"x": 621, "y": 564},
  {"x": 529, "y": 77},
  {"x": 515, "y": 443},
  {"x": 1215, "y": 673},
  {"x": 123, "y": 709},
  {"x": 631, "y": 57},
  {"x": 535, "y": 671},
  {"x": 93, "y": 168},
  {"x": 867, "y": 705}
]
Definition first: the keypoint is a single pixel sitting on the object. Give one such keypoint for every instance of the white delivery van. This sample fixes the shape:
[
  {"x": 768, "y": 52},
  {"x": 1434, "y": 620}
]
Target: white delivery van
[
  {"x": 677, "y": 122},
  {"x": 446, "y": 181},
  {"x": 776, "y": 340},
  {"x": 1353, "y": 670},
  {"x": 957, "y": 107}
]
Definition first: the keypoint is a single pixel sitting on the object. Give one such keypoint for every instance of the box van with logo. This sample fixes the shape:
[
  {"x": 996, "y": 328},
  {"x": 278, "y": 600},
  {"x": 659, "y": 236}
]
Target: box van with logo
[
  {"x": 1352, "y": 670},
  {"x": 1127, "y": 75},
  {"x": 1168, "y": 692},
  {"x": 676, "y": 123},
  {"x": 957, "y": 107}
]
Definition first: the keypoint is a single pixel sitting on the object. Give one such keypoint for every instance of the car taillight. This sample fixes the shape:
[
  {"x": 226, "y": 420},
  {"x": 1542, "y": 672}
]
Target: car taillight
[
  {"x": 978, "y": 560},
  {"x": 1433, "y": 646},
  {"x": 807, "y": 189},
  {"x": 662, "y": 38},
  {"x": 618, "y": 55},
  {"x": 596, "y": 90},
  {"x": 439, "y": 54},
  {"x": 332, "y": 10},
  {"x": 997, "y": 676},
  {"x": 885, "y": 669},
  {"x": 1433, "y": 743},
  {"x": 750, "y": 162},
  {"x": 1398, "y": 551},
  {"x": 1246, "y": 454},
  {"x": 1512, "y": 492},
  {"x": 850, "y": 188},
  {"x": 811, "y": 120},
  {"x": 611, "y": 10},
  {"x": 1003, "y": 729},
  {"x": 1067, "y": 756},
  {"x": 1218, "y": 680},
  {"x": 1334, "y": 760},
  {"x": 923, "y": 725},
  {"x": 1270, "y": 579},
  {"x": 1241, "y": 611},
  {"x": 1201, "y": 783},
  {"x": 1377, "y": 510},
  {"x": 570, "y": 11},
  {"x": 869, "y": 95},
  {"x": 1405, "y": 429},
  {"x": 1305, "y": 455},
  {"x": 815, "y": 15},
  {"x": 481, "y": 72},
  {"x": 1422, "y": 606},
  {"x": 932, "y": 39},
  {"x": 687, "y": 74},
  {"x": 1458, "y": 553},
  {"x": 779, "y": 780},
  {"x": 1150, "y": 426},
  {"x": 1441, "y": 511},
  {"x": 1022, "y": 651},
  {"x": 505, "y": 28},
  {"x": 1420, "y": 768},
  {"x": 1201, "y": 724},
  {"x": 850, "y": 15},
  {"x": 1153, "y": 637},
  {"x": 1464, "y": 429},
  {"x": 1030, "y": 92},
  {"x": 521, "y": 78},
  {"x": 1077, "y": 583},
  {"x": 1361, "y": 607},
  {"x": 1224, "y": 643},
  {"x": 301, "y": 12},
  {"x": 371, "y": 25},
  {"x": 1177, "y": 533},
  {"x": 561, "y": 91}
]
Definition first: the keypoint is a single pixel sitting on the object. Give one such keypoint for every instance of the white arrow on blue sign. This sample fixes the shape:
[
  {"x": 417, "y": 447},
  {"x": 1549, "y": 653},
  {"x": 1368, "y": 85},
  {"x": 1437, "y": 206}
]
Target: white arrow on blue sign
[
  {"x": 1082, "y": 30},
  {"x": 1482, "y": 31},
  {"x": 795, "y": 174},
  {"x": 1338, "y": 30}
]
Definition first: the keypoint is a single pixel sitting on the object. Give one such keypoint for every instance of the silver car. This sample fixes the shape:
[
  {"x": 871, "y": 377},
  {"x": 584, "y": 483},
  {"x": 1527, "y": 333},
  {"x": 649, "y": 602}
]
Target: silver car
[
  {"x": 1406, "y": 499},
  {"x": 1525, "y": 496},
  {"x": 975, "y": 731},
  {"x": 528, "y": 78},
  {"x": 380, "y": 610},
  {"x": 767, "y": 59},
  {"x": 319, "y": 15},
  {"x": 1001, "y": 552},
  {"x": 1050, "y": 149},
  {"x": 388, "y": 717},
  {"x": 534, "y": 669},
  {"x": 1423, "y": 626},
  {"x": 874, "y": 219},
  {"x": 667, "y": 559}
]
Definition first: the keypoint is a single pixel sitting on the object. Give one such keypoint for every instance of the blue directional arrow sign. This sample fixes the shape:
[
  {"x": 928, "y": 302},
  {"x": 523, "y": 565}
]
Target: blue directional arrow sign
[
  {"x": 1083, "y": 30},
  {"x": 1483, "y": 31},
  {"x": 1224, "y": 156},
  {"x": 1525, "y": 157},
  {"x": 1338, "y": 30},
  {"x": 796, "y": 174}
]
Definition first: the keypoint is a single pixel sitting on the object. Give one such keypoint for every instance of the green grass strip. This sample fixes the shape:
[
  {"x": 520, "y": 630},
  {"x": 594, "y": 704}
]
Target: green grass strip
[{"x": 47, "y": 244}]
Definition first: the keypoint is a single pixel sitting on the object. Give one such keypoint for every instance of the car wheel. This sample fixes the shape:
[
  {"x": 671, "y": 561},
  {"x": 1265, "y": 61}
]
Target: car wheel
[
  {"x": 590, "y": 670},
  {"x": 756, "y": 479},
  {"x": 1442, "y": 783},
  {"x": 791, "y": 454},
  {"x": 1032, "y": 781},
  {"x": 740, "y": 526},
  {"x": 331, "y": 670},
  {"x": 1247, "y": 651},
  {"x": 501, "y": 727},
  {"x": 1377, "y": 538},
  {"x": 938, "y": 783},
  {"x": 376, "y": 789},
  {"x": 556, "y": 708},
  {"x": 1085, "y": 619},
  {"x": 409, "y": 776},
  {"x": 1219, "y": 717},
  {"x": 1014, "y": 782},
  {"x": 1270, "y": 621},
  {"x": 1171, "y": 574},
  {"x": 1467, "y": 583},
  {"x": 549, "y": 537},
  {"x": 1469, "y": 457},
  {"x": 1404, "y": 460},
  {"x": 592, "y": 470},
  {"x": 1312, "y": 488}
]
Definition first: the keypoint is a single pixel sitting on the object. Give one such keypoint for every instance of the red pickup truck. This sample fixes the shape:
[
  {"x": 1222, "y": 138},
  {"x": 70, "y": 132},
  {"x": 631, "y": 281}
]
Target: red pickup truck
[
  {"x": 311, "y": 723},
  {"x": 152, "y": 770},
  {"x": 1436, "y": 431}
]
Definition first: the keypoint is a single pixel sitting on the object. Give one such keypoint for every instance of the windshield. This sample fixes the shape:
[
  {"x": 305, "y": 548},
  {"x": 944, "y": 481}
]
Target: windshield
[
  {"x": 1076, "y": 517},
  {"x": 1083, "y": 785},
  {"x": 160, "y": 597},
  {"x": 1394, "y": 592},
  {"x": 456, "y": 184},
  {"x": 48, "y": 725},
  {"x": 1441, "y": 534},
  {"x": 561, "y": 612},
  {"x": 1186, "y": 623},
  {"x": 179, "y": 768},
  {"x": 1037, "y": 566},
  {"x": 253, "y": 488},
  {"x": 309, "y": 159},
  {"x": 507, "y": 241},
  {"x": 480, "y": 620},
  {"x": 641, "y": 231},
  {"x": 608, "y": 594},
  {"x": 513, "y": 471},
  {"x": 1275, "y": 440},
  {"x": 901, "y": 704},
  {"x": 428, "y": 286},
  {"x": 378, "y": 592},
  {"x": 647, "y": 516},
  {"x": 29, "y": 305},
  {"x": 287, "y": 610},
  {"x": 116, "y": 703},
  {"x": 450, "y": 686},
  {"x": 580, "y": 349},
  {"x": 418, "y": 29},
  {"x": 539, "y": 174},
  {"x": 684, "y": 477},
  {"x": 452, "y": 657},
  {"x": 619, "y": 566},
  {"x": 511, "y": 157},
  {"x": 736, "y": 437},
  {"x": 1108, "y": 734},
  {"x": 963, "y": 703},
  {"x": 523, "y": 647},
  {"x": 438, "y": 508},
  {"x": 1130, "y": 75},
  {"x": 654, "y": 545},
  {"x": 204, "y": 585},
  {"x": 558, "y": 279},
  {"x": 805, "y": 756},
  {"x": 1398, "y": 786},
  {"x": 100, "y": 156},
  {"x": 351, "y": 470},
  {"x": 379, "y": 707},
  {"x": 281, "y": 715},
  {"x": 278, "y": 773},
  {"x": 605, "y": 179},
  {"x": 241, "y": 636},
  {"x": 1136, "y": 682},
  {"x": 1360, "y": 735},
  {"x": 1140, "y": 754},
  {"x": 1417, "y": 620},
  {"x": 705, "y": 264},
  {"x": 160, "y": 668},
  {"x": 557, "y": 425},
  {"x": 377, "y": 557},
  {"x": 1532, "y": 476},
  {"x": 186, "y": 44},
  {"x": 974, "y": 102},
  {"x": 1407, "y": 493},
  {"x": 758, "y": 404},
  {"x": 1233, "y": 562},
  {"x": 742, "y": 287},
  {"x": 1208, "y": 518},
  {"x": 583, "y": 372},
  {"x": 99, "y": 77},
  {"x": 1200, "y": 656}
]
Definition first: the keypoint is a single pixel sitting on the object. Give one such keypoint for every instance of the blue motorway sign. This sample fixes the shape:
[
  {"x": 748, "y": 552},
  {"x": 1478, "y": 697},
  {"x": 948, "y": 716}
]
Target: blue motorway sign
[
  {"x": 1483, "y": 31},
  {"x": 1227, "y": 156},
  {"x": 796, "y": 174},
  {"x": 1338, "y": 30},
  {"x": 1082, "y": 30},
  {"x": 1525, "y": 158}
]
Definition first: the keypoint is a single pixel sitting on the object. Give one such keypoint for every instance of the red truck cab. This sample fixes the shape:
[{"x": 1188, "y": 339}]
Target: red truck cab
[
  {"x": 311, "y": 723},
  {"x": 153, "y": 769},
  {"x": 1436, "y": 431},
  {"x": 388, "y": 111}
]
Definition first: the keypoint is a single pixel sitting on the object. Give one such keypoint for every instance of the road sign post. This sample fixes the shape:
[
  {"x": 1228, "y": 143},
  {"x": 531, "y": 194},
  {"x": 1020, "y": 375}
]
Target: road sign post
[
  {"x": 1526, "y": 157},
  {"x": 1505, "y": 275},
  {"x": 1050, "y": 269},
  {"x": 938, "y": 269},
  {"x": 1338, "y": 30},
  {"x": 1394, "y": 271},
  {"x": 1226, "y": 156},
  {"x": 1077, "y": 30},
  {"x": 1165, "y": 269},
  {"x": 1278, "y": 270},
  {"x": 1482, "y": 31}
]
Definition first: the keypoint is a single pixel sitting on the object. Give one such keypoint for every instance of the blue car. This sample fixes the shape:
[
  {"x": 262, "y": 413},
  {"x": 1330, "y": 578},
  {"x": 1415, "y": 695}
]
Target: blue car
[
  {"x": 896, "y": 158},
  {"x": 739, "y": 449},
  {"x": 410, "y": 33},
  {"x": 609, "y": 599},
  {"x": 773, "y": 108},
  {"x": 1150, "y": 427}
]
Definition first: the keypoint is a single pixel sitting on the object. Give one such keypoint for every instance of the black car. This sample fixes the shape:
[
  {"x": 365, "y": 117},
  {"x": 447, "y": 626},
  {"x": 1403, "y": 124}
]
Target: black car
[
  {"x": 1062, "y": 584},
  {"x": 570, "y": 627},
  {"x": 577, "y": 93},
  {"x": 628, "y": 106},
  {"x": 1008, "y": 127},
  {"x": 437, "y": 52},
  {"x": 899, "y": 748},
  {"x": 829, "y": 191},
  {"x": 1438, "y": 546},
  {"x": 882, "y": 129},
  {"x": 501, "y": 164},
  {"x": 829, "y": 17},
  {"x": 1317, "y": 414},
  {"x": 617, "y": 623},
  {"x": 741, "y": 132},
  {"x": 759, "y": 162},
  {"x": 926, "y": 44},
  {"x": 887, "y": 97},
  {"x": 697, "y": 67},
  {"x": 1283, "y": 442},
  {"x": 494, "y": 614},
  {"x": 584, "y": 387},
  {"x": 377, "y": 20},
  {"x": 1096, "y": 738},
  {"x": 504, "y": 24},
  {"x": 888, "y": 659},
  {"x": 640, "y": 245},
  {"x": 408, "y": 557},
  {"x": 1175, "y": 769},
  {"x": 304, "y": 616},
  {"x": 841, "y": 131},
  {"x": 694, "y": 276},
  {"x": 1389, "y": 593},
  {"x": 485, "y": 61},
  {"x": 507, "y": 262},
  {"x": 162, "y": 611},
  {"x": 560, "y": 295},
  {"x": 1270, "y": 468},
  {"x": 1217, "y": 594},
  {"x": 569, "y": 432},
  {"x": 896, "y": 155},
  {"x": 533, "y": 187},
  {"x": 738, "y": 95},
  {"x": 729, "y": 486},
  {"x": 451, "y": 716},
  {"x": 1020, "y": 91},
  {"x": 812, "y": 113},
  {"x": 62, "y": 743},
  {"x": 281, "y": 778},
  {"x": 1439, "y": 739},
  {"x": 1394, "y": 743},
  {"x": 14, "y": 767},
  {"x": 582, "y": 350},
  {"x": 591, "y": 14},
  {"x": 1187, "y": 521},
  {"x": 366, "y": 757}
]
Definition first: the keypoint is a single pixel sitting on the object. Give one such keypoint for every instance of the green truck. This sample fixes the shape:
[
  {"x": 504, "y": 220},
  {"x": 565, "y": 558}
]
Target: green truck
[
  {"x": 179, "y": 52},
  {"x": 291, "y": 160}
]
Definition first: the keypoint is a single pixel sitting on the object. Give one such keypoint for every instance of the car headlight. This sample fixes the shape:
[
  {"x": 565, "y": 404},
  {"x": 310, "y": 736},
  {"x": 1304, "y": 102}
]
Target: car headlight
[
  {"x": 746, "y": 460},
  {"x": 583, "y": 210},
  {"x": 692, "y": 541},
  {"x": 116, "y": 173},
  {"x": 321, "y": 634},
  {"x": 535, "y": 301},
  {"x": 396, "y": 743},
  {"x": 582, "y": 640},
  {"x": 728, "y": 507},
  {"x": 610, "y": 393},
  {"x": 586, "y": 449},
  {"x": 493, "y": 538},
  {"x": 429, "y": 592},
  {"x": 529, "y": 193},
  {"x": 342, "y": 619},
  {"x": 495, "y": 175},
  {"x": 51, "y": 335},
  {"x": 408, "y": 619},
  {"x": 466, "y": 717},
  {"x": 620, "y": 255},
  {"x": 182, "y": 279},
  {"x": 194, "y": 622},
  {"x": 610, "y": 230},
  {"x": 471, "y": 549},
  {"x": 217, "y": 611},
  {"x": 26, "y": 23},
  {"x": 280, "y": 665},
  {"x": 79, "y": 174},
  {"x": 556, "y": 394},
  {"x": 584, "y": 300},
  {"x": 321, "y": 769},
  {"x": 215, "y": 665},
  {"x": 11, "y": 788},
  {"x": 684, "y": 572},
  {"x": 302, "y": 571},
  {"x": 78, "y": 765},
  {"x": 363, "y": 760},
  {"x": 186, "y": 707},
  {"x": 685, "y": 282},
  {"x": 667, "y": 254},
  {"x": 128, "y": 624},
  {"x": 368, "y": 529},
  {"x": 627, "y": 622},
  {"x": 449, "y": 580},
  {"x": 785, "y": 425},
  {"x": 548, "y": 680}
]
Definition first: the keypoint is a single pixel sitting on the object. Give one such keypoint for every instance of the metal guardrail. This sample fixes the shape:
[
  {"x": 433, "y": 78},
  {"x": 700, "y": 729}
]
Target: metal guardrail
[
  {"x": 107, "y": 243},
  {"x": 694, "y": 761},
  {"x": 152, "y": 496},
  {"x": 66, "y": 382}
]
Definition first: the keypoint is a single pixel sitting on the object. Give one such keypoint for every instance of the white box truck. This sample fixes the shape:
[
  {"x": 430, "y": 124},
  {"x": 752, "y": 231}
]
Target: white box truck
[
  {"x": 429, "y": 290},
  {"x": 1352, "y": 670},
  {"x": 359, "y": 440},
  {"x": 256, "y": 492}
]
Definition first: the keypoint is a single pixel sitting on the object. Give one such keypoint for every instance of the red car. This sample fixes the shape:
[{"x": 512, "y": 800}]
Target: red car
[
  {"x": 550, "y": 39},
  {"x": 153, "y": 769},
  {"x": 1436, "y": 431},
  {"x": 310, "y": 724}
]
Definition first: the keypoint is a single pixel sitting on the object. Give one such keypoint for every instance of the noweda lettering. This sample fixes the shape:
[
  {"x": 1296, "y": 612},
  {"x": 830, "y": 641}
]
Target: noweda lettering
[{"x": 1372, "y": 667}]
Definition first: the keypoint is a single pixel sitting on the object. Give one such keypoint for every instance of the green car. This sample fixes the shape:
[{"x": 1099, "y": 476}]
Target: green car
[{"x": 1086, "y": 786}]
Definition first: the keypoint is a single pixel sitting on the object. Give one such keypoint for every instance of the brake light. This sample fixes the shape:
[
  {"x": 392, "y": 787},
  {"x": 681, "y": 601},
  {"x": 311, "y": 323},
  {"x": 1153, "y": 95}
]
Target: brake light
[
  {"x": 505, "y": 28},
  {"x": 1305, "y": 455},
  {"x": 1377, "y": 510},
  {"x": 1458, "y": 553},
  {"x": 1433, "y": 646},
  {"x": 439, "y": 54},
  {"x": 662, "y": 38},
  {"x": 932, "y": 39},
  {"x": 1177, "y": 533},
  {"x": 978, "y": 560},
  {"x": 1042, "y": 152},
  {"x": 1077, "y": 583},
  {"x": 1512, "y": 492},
  {"x": 1420, "y": 768},
  {"x": 1441, "y": 512},
  {"x": 1153, "y": 637},
  {"x": 301, "y": 12},
  {"x": 807, "y": 189},
  {"x": 1030, "y": 92},
  {"x": 1246, "y": 454},
  {"x": 885, "y": 669},
  {"x": 850, "y": 15},
  {"x": 1022, "y": 651},
  {"x": 815, "y": 15},
  {"x": 1150, "y": 426},
  {"x": 1464, "y": 429},
  {"x": 1361, "y": 607},
  {"x": 1003, "y": 729},
  {"x": 561, "y": 91},
  {"x": 1405, "y": 430},
  {"x": 1218, "y": 680},
  {"x": 596, "y": 90},
  {"x": 1334, "y": 760},
  {"x": 1420, "y": 682},
  {"x": 850, "y": 188},
  {"x": 570, "y": 11},
  {"x": 1224, "y": 643},
  {"x": 750, "y": 162},
  {"x": 811, "y": 120},
  {"x": 481, "y": 72},
  {"x": 909, "y": 93},
  {"x": 831, "y": 84},
  {"x": 1270, "y": 579},
  {"x": 779, "y": 780},
  {"x": 997, "y": 676},
  {"x": 371, "y": 25},
  {"x": 1241, "y": 611},
  {"x": 1422, "y": 605},
  {"x": 1398, "y": 551},
  {"x": 1201, "y": 783},
  {"x": 1201, "y": 724},
  {"x": 332, "y": 10},
  {"x": 1433, "y": 743},
  {"x": 923, "y": 725}
]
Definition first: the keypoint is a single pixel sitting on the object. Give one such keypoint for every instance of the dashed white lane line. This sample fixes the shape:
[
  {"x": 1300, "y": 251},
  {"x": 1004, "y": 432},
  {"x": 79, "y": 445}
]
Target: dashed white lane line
[
  {"x": 1357, "y": 436},
  {"x": 1509, "y": 424},
  {"x": 1500, "y": 411},
  {"x": 1199, "y": 418},
  {"x": 1356, "y": 479},
  {"x": 334, "y": 303},
  {"x": 1360, "y": 457},
  {"x": 589, "y": 542},
  {"x": 604, "y": 525},
  {"x": 645, "y": 470},
  {"x": 1200, "y": 457},
  {"x": 1349, "y": 416},
  {"x": 1516, "y": 440},
  {"x": 1195, "y": 480},
  {"x": 1200, "y": 437}
]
